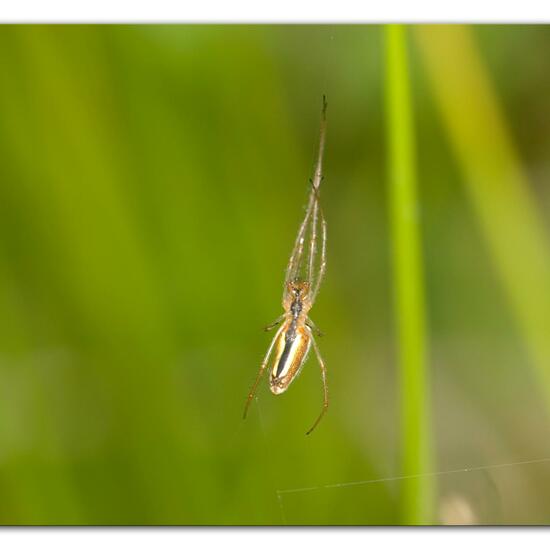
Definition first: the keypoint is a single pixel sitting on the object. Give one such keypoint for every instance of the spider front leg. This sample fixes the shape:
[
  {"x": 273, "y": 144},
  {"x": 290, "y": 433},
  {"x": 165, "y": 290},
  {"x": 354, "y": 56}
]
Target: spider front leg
[
  {"x": 325, "y": 387},
  {"x": 263, "y": 366},
  {"x": 323, "y": 264}
]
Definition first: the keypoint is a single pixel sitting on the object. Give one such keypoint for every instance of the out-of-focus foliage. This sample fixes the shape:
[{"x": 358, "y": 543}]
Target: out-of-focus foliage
[{"x": 152, "y": 179}]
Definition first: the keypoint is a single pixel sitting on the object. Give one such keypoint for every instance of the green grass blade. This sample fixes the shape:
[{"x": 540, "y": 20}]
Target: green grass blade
[
  {"x": 495, "y": 181},
  {"x": 408, "y": 285}
]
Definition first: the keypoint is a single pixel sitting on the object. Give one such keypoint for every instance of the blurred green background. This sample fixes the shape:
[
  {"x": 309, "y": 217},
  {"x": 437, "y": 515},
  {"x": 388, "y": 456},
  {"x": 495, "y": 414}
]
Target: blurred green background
[{"x": 152, "y": 181}]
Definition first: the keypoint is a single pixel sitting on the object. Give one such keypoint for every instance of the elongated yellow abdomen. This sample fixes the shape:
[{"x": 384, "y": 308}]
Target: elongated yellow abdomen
[{"x": 290, "y": 356}]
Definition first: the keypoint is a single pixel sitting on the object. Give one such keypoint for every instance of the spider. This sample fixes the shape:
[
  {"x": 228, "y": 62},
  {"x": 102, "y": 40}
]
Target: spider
[{"x": 294, "y": 338}]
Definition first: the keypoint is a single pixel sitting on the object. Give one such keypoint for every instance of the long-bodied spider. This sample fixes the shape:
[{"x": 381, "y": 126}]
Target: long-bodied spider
[{"x": 294, "y": 337}]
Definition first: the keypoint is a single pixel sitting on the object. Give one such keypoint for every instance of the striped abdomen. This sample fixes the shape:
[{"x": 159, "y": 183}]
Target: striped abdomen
[{"x": 289, "y": 357}]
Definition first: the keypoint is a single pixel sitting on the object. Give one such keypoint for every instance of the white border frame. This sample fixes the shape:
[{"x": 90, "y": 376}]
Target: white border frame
[{"x": 281, "y": 11}]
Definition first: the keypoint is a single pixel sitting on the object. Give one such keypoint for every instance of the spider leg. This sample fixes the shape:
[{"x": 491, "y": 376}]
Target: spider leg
[
  {"x": 313, "y": 327},
  {"x": 293, "y": 265},
  {"x": 275, "y": 323},
  {"x": 313, "y": 237},
  {"x": 263, "y": 366},
  {"x": 323, "y": 264},
  {"x": 318, "y": 174},
  {"x": 325, "y": 387},
  {"x": 297, "y": 251}
]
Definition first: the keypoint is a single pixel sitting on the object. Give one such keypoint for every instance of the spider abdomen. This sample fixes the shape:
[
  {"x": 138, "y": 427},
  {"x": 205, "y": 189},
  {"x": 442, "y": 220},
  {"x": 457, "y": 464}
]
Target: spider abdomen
[{"x": 290, "y": 356}]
